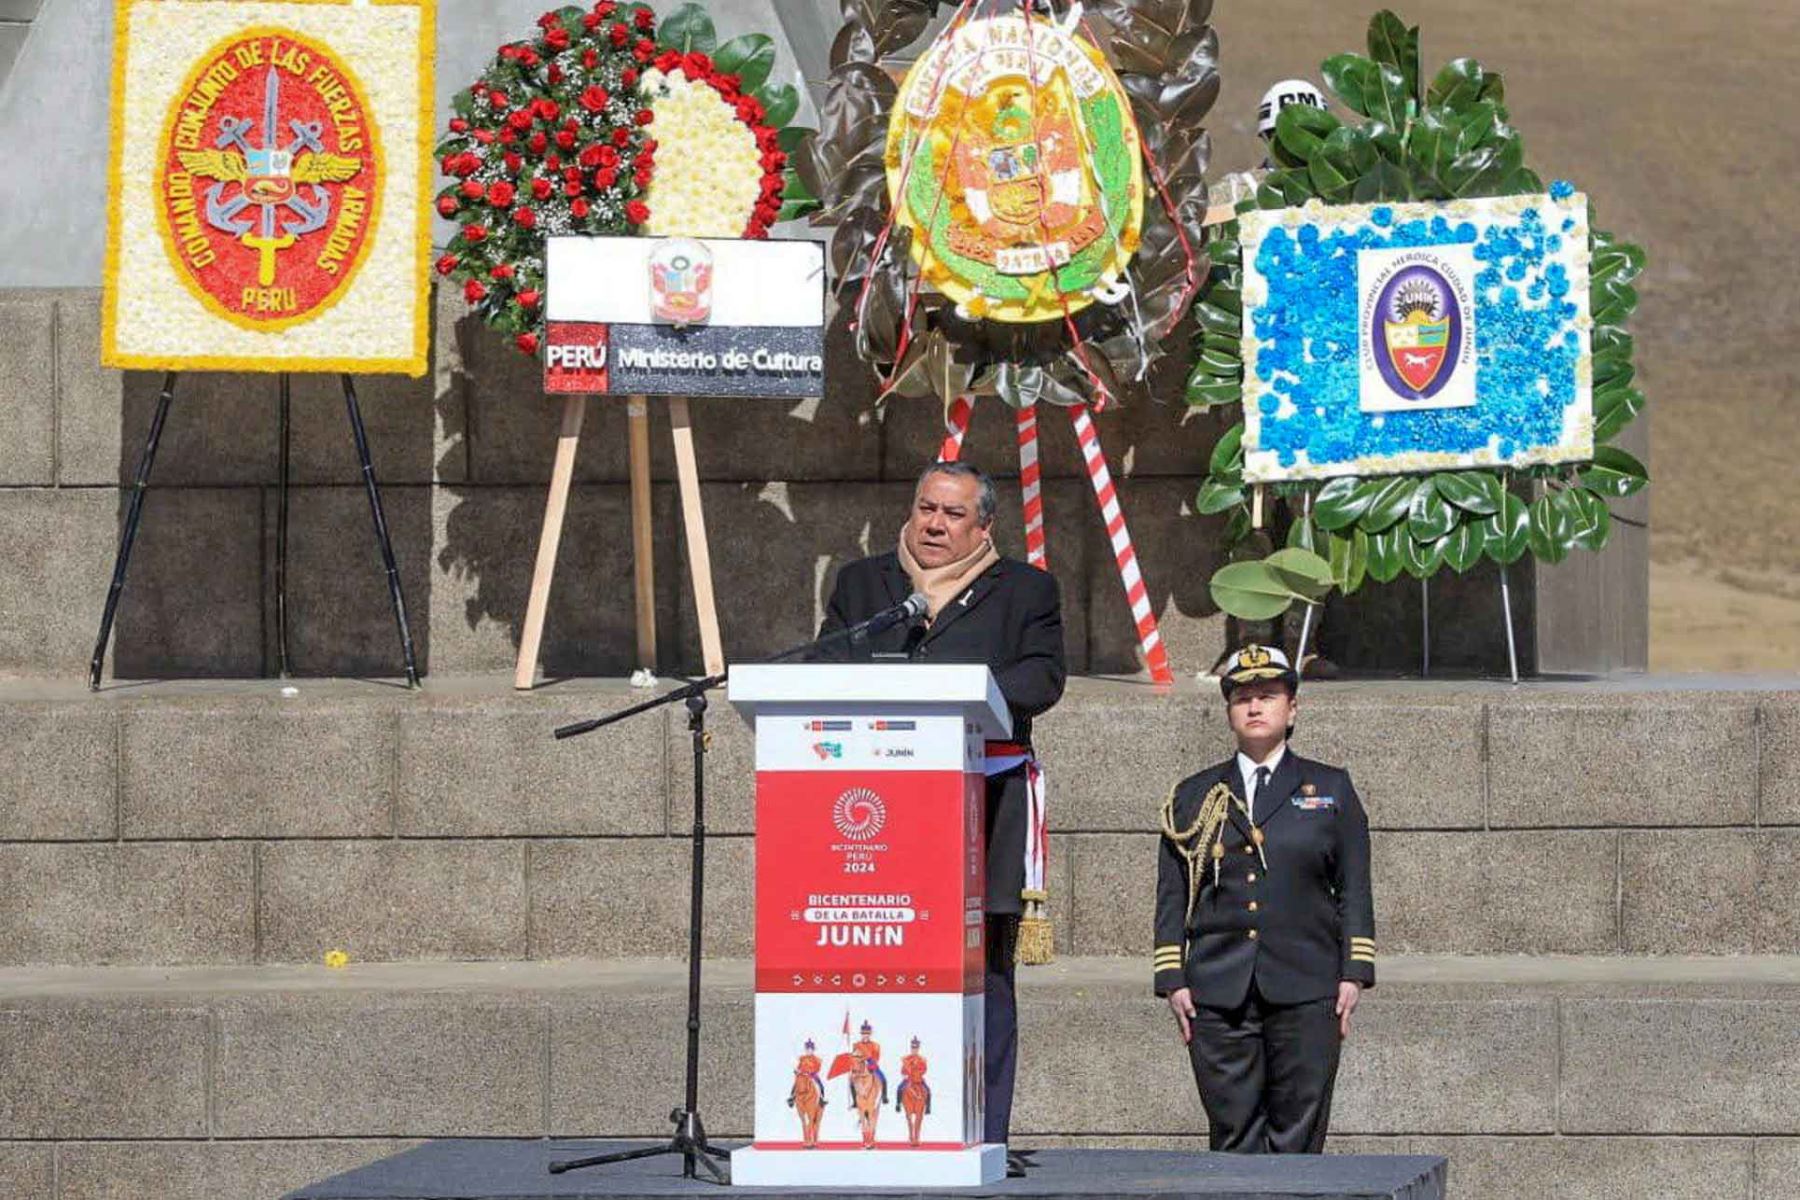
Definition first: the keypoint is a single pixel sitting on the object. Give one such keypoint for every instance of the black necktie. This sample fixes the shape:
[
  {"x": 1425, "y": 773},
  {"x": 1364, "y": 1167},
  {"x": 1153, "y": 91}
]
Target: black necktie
[{"x": 1262, "y": 781}]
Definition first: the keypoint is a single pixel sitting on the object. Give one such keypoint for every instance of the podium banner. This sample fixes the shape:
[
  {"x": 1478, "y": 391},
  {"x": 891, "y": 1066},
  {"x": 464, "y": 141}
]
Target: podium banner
[{"x": 869, "y": 934}]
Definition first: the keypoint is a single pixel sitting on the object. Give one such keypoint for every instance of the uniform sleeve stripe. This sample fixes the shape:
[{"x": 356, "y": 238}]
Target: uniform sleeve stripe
[
  {"x": 1363, "y": 958},
  {"x": 1366, "y": 941},
  {"x": 1172, "y": 960}
]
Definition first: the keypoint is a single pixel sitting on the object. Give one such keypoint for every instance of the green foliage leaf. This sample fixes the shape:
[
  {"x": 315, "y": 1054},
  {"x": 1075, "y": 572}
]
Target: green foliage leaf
[
  {"x": 1614, "y": 473},
  {"x": 1286, "y": 188},
  {"x": 1203, "y": 392},
  {"x": 1329, "y": 181},
  {"x": 1237, "y": 527},
  {"x": 1614, "y": 410},
  {"x": 1389, "y": 500},
  {"x": 1476, "y": 492},
  {"x": 1340, "y": 502},
  {"x": 750, "y": 57},
  {"x": 1217, "y": 317},
  {"x": 796, "y": 200},
  {"x": 463, "y": 104},
  {"x": 1349, "y": 558},
  {"x": 1392, "y": 43},
  {"x": 1522, "y": 182},
  {"x": 780, "y": 103},
  {"x": 1421, "y": 559},
  {"x": 1228, "y": 453},
  {"x": 1373, "y": 89},
  {"x": 1304, "y": 573},
  {"x": 688, "y": 28},
  {"x": 1463, "y": 546},
  {"x": 1217, "y": 496},
  {"x": 1505, "y": 535},
  {"x": 1250, "y": 591},
  {"x": 1220, "y": 363},
  {"x": 1300, "y": 133},
  {"x": 1592, "y": 517},
  {"x": 1552, "y": 530},
  {"x": 1613, "y": 301},
  {"x": 1343, "y": 158},
  {"x": 1462, "y": 84},
  {"x": 1483, "y": 170},
  {"x": 1385, "y": 182},
  {"x": 1388, "y": 143},
  {"x": 1615, "y": 261},
  {"x": 1303, "y": 534},
  {"x": 1430, "y": 149},
  {"x": 1354, "y": 79},
  {"x": 1476, "y": 125},
  {"x": 1385, "y": 560},
  {"x": 1430, "y": 517},
  {"x": 1612, "y": 369}
]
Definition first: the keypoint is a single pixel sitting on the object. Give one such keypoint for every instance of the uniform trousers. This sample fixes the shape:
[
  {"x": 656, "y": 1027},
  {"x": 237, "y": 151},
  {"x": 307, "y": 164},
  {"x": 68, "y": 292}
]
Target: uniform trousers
[
  {"x": 1266, "y": 1072},
  {"x": 1000, "y": 1022}
]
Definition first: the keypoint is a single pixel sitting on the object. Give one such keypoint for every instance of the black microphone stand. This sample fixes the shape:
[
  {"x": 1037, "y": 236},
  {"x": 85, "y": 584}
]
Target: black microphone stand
[{"x": 689, "y": 1139}]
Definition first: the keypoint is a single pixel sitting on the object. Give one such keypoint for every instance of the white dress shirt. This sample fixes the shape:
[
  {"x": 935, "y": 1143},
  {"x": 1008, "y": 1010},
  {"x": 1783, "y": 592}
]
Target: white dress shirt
[{"x": 1247, "y": 768}]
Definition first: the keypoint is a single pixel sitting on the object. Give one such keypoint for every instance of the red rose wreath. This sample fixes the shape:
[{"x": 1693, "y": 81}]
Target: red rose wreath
[{"x": 562, "y": 133}]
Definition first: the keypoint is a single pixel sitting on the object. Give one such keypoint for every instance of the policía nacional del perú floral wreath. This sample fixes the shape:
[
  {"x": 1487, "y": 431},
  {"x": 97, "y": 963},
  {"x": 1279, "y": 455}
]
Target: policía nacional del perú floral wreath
[{"x": 603, "y": 124}]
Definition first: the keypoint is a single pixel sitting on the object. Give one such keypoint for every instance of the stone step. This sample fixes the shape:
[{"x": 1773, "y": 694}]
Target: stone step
[
  {"x": 1579, "y": 1076},
  {"x": 225, "y": 823}
]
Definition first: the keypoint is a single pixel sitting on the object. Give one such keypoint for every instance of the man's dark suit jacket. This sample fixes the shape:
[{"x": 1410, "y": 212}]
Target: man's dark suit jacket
[{"x": 1011, "y": 619}]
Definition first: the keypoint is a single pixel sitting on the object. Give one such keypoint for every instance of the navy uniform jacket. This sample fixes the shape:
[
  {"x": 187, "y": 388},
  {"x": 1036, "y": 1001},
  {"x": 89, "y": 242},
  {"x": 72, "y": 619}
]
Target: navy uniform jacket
[
  {"x": 1010, "y": 618},
  {"x": 1296, "y": 927}
]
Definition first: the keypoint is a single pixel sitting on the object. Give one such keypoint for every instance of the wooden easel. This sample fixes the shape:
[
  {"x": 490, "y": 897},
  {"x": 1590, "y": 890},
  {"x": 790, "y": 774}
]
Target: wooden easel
[{"x": 687, "y": 476}]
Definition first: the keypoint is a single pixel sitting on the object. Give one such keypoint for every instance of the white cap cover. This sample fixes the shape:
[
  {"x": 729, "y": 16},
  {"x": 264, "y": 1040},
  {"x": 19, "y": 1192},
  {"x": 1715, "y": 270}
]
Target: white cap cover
[{"x": 1288, "y": 91}]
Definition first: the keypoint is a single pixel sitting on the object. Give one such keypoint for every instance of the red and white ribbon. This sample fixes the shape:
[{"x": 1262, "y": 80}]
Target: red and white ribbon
[
  {"x": 956, "y": 427},
  {"x": 1037, "y": 829},
  {"x": 1031, "y": 489},
  {"x": 1149, "y": 637}
]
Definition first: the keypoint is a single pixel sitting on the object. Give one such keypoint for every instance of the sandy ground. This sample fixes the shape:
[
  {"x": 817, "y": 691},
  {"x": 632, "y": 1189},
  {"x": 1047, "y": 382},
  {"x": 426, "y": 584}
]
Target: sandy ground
[{"x": 1700, "y": 622}]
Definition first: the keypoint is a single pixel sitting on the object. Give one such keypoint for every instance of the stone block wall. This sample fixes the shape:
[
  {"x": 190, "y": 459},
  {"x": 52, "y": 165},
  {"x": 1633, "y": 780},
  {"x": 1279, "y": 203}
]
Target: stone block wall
[
  {"x": 791, "y": 491},
  {"x": 192, "y": 825}
]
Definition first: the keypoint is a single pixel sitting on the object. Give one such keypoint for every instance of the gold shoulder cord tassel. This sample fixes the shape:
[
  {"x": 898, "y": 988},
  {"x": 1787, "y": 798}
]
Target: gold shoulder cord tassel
[
  {"x": 1037, "y": 944},
  {"x": 1205, "y": 836}
]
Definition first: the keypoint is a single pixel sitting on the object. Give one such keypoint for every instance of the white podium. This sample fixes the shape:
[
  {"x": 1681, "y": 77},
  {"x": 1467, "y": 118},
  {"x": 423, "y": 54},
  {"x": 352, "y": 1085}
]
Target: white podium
[{"x": 869, "y": 930}]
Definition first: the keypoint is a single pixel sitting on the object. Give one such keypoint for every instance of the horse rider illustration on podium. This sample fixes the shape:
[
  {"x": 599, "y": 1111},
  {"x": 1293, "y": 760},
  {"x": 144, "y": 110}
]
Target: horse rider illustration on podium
[
  {"x": 913, "y": 1097},
  {"x": 868, "y": 1050},
  {"x": 807, "y": 1098}
]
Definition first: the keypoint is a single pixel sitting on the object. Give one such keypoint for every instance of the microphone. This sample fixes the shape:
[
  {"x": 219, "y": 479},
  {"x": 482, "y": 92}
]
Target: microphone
[{"x": 905, "y": 612}]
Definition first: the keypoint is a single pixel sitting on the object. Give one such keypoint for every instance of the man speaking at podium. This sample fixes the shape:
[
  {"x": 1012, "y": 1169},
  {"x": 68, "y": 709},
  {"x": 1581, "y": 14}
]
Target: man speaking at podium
[{"x": 981, "y": 608}]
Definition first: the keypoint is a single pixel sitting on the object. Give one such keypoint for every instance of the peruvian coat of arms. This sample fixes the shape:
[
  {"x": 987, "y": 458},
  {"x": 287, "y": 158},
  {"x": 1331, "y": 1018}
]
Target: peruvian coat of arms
[{"x": 1013, "y": 156}]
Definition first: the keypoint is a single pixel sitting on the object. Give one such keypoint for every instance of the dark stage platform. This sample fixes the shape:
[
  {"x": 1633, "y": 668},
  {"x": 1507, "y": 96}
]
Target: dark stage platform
[{"x": 459, "y": 1169}]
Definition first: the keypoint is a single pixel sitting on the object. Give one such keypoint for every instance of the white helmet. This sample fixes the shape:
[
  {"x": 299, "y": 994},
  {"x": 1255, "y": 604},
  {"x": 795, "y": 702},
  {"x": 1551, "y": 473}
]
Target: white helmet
[{"x": 1288, "y": 91}]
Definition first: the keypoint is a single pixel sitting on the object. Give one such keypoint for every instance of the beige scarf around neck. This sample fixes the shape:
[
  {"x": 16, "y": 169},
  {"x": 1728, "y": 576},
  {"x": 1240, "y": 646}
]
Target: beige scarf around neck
[{"x": 943, "y": 584}]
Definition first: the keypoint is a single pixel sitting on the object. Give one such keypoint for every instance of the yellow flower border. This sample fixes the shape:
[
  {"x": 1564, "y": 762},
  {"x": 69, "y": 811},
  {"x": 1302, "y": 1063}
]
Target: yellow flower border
[
  {"x": 207, "y": 300},
  {"x": 417, "y": 364}
]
